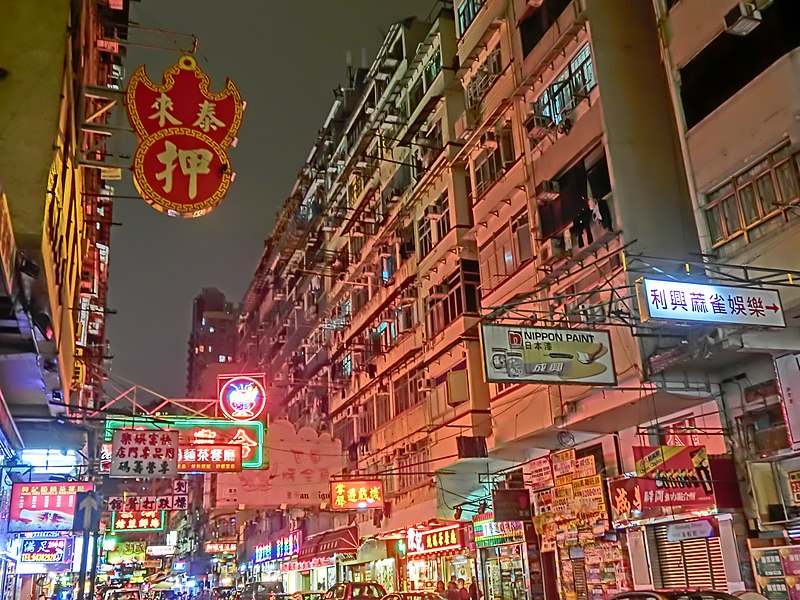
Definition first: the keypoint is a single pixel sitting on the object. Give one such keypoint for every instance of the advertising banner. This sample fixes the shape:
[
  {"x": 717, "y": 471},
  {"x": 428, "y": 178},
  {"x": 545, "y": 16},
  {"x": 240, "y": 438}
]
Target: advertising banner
[
  {"x": 50, "y": 550},
  {"x": 144, "y": 454},
  {"x": 210, "y": 459},
  {"x": 128, "y": 552},
  {"x": 539, "y": 473},
  {"x": 43, "y": 506},
  {"x": 519, "y": 354},
  {"x": 356, "y": 494},
  {"x": 145, "y": 520},
  {"x": 301, "y": 464},
  {"x": 709, "y": 303},
  {"x": 671, "y": 480}
]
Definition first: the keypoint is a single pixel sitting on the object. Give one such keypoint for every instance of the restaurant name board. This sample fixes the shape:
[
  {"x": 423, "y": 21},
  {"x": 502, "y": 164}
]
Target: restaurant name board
[
  {"x": 51, "y": 550},
  {"x": 220, "y": 547},
  {"x": 440, "y": 539},
  {"x": 491, "y": 533},
  {"x": 709, "y": 303},
  {"x": 284, "y": 547},
  {"x": 145, "y": 520},
  {"x": 519, "y": 354},
  {"x": 44, "y": 507},
  {"x": 242, "y": 397},
  {"x": 210, "y": 459},
  {"x": 357, "y": 494}
]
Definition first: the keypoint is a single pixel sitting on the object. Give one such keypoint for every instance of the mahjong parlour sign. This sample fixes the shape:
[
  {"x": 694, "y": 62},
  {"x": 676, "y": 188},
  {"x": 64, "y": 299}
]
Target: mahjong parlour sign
[{"x": 181, "y": 165}]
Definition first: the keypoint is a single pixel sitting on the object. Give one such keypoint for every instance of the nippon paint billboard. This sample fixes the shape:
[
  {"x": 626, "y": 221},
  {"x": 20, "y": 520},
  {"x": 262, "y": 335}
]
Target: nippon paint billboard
[
  {"x": 520, "y": 354},
  {"x": 301, "y": 465}
]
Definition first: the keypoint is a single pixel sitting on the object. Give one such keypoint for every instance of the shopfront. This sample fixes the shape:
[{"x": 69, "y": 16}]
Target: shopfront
[
  {"x": 671, "y": 511},
  {"x": 438, "y": 553},
  {"x": 503, "y": 558},
  {"x": 320, "y": 562},
  {"x": 376, "y": 560},
  {"x": 269, "y": 556}
]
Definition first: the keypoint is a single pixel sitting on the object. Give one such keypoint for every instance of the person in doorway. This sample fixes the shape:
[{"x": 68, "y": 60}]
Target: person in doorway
[{"x": 463, "y": 592}]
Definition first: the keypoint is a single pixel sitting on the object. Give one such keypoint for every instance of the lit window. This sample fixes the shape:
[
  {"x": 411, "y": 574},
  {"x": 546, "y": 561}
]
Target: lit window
[
  {"x": 211, "y": 330},
  {"x": 221, "y": 358},
  {"x": 202, "y": 348},
  {"x": 203, "y": 321}
]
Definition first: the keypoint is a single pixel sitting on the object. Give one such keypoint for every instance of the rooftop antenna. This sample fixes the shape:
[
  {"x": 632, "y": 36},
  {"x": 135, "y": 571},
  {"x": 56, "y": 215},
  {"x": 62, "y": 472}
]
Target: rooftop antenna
[{"x": 348, "y": 59}]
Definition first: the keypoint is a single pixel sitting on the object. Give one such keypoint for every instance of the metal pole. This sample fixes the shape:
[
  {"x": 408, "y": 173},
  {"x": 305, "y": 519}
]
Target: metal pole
[
  {"x": 82, "y": 572},
  {"x": 93, "y": 571}
]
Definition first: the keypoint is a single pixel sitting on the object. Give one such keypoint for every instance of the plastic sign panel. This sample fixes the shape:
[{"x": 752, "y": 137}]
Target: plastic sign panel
[
  {"x": 44, "y": 506},
  {"x": 519, "y": 354},
  {"x": 670, "y": 481},
  {"x": 440, "y": 539},
  {"x": 181, "y": 165},
  {"x": 209, "y": 432},
  {"x": 356, "y": 494},
  {"x": 511, "y": 505},
  {"x": 489, "y": 532},
  {"x": 139, "y": 503},
  {"x": 210, "y": 459},
  {"x": 144, "y": 454},
  {"x": 145, "y": 520},
  {"x": 160, "y": 550},
  {"x": 51, "y": 550},
  {"x": 128, "y": 552},
  {"x": 709, "y": 303},
  {"x": 243, "y": 397},
  {"x": 220, "y": 547}
]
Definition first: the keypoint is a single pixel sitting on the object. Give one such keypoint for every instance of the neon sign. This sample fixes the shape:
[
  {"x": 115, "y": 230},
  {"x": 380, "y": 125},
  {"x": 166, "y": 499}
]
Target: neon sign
[
  {"x": 284, "y": 547},
  {"x": 352, "y": 495},
  {"x": 440, "y": 539},
  {"x": 45, "y": 551},
  {"x": 209, "y": 432},
  {"x": 242, "y": 398}
]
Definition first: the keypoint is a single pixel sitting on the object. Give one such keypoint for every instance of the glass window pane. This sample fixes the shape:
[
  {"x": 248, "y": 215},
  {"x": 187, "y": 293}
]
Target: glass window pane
[
  {"x": 747, "y": 198},
  {"x": 723, "y": 191},
  {"x": 787, "y": 182},
  {"x": 766, "y": 192},
  {"x": 715, "y": 223},
  {"x": 732, "y": 222}
]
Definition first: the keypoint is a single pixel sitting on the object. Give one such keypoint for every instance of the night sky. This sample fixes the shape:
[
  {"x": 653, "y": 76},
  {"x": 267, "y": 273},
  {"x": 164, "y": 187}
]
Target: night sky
[{"x": 286, "y": 57}]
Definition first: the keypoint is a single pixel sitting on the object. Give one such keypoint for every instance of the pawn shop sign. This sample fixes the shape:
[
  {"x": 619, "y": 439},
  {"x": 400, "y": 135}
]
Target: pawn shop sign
[{"x": 181, "y": 165}]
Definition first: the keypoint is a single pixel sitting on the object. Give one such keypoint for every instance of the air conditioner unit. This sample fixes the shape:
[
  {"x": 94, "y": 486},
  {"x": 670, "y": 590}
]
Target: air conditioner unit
[
  {"x": 465, "y": 124},
  {"x": 548, "y": 190},
  {"x": 489, "y": 140},
  {"x": 552, "y": 250},
  {"x": 439, "y": 291},
  {"x": 425, "y": 384},
  {"x": 538, "y": 125},
  {"x": 434, "y": 212},
  {"x": 742, "y": 19}
]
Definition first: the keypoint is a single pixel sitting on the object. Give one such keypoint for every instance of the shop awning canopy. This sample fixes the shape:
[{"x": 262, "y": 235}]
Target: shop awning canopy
[{"x": 338, "y": 541}]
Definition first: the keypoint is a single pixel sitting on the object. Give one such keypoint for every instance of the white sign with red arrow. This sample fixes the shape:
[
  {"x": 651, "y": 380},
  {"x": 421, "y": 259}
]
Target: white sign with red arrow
[{"x": 710, "y": 303}]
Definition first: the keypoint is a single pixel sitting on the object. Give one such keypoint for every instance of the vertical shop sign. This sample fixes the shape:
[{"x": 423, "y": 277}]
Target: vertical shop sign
[
  {"x": 563, "y": 466},
  {"x": 539, "y": 473},
  {"x": 794, "y": 486},
  {"x": 144, "y": 454}
]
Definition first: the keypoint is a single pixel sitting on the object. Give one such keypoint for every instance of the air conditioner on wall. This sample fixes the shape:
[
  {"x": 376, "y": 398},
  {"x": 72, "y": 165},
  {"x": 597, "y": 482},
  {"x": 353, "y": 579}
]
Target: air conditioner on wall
[
  {"x": 742, "y": 19},
  {"x": 538, "y": 125},
  {"x": 552, "y": 250},
  {"x": 548, "y": 190},
  {"x": 434, "y": 212},
  {"x": 489, "y": 140},
  {"x": 439, "y": 291}
]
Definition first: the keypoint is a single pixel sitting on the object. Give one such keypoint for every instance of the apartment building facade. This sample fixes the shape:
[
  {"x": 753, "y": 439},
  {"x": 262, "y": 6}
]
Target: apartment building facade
[{"x": 528, "y": 164}]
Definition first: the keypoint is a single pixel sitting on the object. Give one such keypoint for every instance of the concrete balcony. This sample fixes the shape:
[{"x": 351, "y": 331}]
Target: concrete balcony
[
  {"x": 555, "y": 40},
  {"x": 488, "y": 20}
]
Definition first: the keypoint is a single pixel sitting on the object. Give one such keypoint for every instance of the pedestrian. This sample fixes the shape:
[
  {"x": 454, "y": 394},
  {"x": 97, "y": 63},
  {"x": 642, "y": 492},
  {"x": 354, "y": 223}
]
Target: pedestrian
[
  {"x": 452, "y": 591},
  {"x": 474, "y": 593},
  {"x": 440, "y": 589},
  {"x": 463, "y": 592}
]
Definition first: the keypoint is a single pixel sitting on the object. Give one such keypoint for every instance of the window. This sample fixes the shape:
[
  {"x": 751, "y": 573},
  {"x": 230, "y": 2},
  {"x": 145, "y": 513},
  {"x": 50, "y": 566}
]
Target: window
[
  {"x": 568, "y": 88},
  {"x": 413, "y": 468},
  {"x": 536, "y": 24},
  {"x": 433, "y": 68},
  {"x": 442, "y": 210},
  {"x": 743, "y": 205},
  {"x": 484, "y": 78},
  {"x": 467, "y": 13},
  {"x": 503, "y": 255},
  {"x": 407, "y": 392},
  {"x": 730, "y": 62},
  {"x": 424, "y": 236},
  {"x": 459, "y": 294},
  {"x": 492, "y": 165},
  {"x": 589, "y": 178}
]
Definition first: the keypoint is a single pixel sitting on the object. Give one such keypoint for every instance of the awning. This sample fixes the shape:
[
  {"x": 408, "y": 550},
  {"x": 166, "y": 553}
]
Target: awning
[{"x": 338, "y": 541}]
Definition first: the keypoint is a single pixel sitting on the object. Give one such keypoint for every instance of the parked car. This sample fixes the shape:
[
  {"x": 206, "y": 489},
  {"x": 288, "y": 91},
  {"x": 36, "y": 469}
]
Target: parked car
[
  {"x": 362, "y": 590},
  {"x": 675, "y": 595},
  {"x": 418, "y": 595}
]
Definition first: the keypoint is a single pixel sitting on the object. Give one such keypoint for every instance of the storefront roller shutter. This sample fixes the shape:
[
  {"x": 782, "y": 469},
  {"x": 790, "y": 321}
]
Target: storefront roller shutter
[{"x": 693, "y": 564}]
